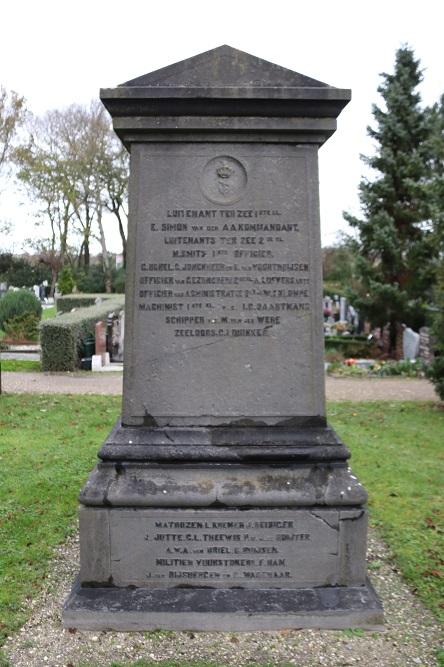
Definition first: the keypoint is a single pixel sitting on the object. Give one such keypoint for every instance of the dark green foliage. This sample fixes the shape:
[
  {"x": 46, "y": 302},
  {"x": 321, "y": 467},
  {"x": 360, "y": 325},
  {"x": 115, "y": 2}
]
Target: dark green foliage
[
  {"x": 66, "y": 303},
  {"x": 337, "y": 264},
  {"x": 19, "y": 272},
  {"x": 119, "y": 282},
  {"x": 61, "y": 338},
  {"x": 436, "y": 191},
  {"x": 66, "y": 281},
  {"x": 24, "y": 327},
  {"x": 351, "y": 346},
  {"x": 435, "y": 154},
  {"x": 435, "y": 372},
  {"x": 396, "y": 250},
  {"x": 93, "y": 281},
  {"x": 17, "y": 303},
  {"x": 6, "y": 261}
]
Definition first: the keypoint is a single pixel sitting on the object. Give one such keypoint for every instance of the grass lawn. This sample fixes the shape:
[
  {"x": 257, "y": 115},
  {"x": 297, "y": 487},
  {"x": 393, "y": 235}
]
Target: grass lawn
[
  {"x": 48, "y": 445},
  {"x": 48, "y": 313},
  {"x": 397, "y": 452},
  {"x": 20, "y": 365}
]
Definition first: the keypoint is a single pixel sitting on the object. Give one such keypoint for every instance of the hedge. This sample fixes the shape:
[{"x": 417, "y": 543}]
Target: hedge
[
  {"x": 66, "y": 303},
  {"x": 351, "y": 346},
  {"x": 61, "y": 338}
]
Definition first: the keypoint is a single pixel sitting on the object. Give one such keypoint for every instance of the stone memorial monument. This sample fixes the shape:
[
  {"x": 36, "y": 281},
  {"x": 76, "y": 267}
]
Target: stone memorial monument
[
  {"x": 101, "y": 356},
  {"x": 222, "y": 499}
]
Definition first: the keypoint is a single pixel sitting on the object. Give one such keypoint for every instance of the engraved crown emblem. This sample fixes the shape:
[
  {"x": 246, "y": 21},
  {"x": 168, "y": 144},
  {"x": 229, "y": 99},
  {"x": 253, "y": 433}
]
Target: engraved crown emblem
[{"x": 224, "y": 171}]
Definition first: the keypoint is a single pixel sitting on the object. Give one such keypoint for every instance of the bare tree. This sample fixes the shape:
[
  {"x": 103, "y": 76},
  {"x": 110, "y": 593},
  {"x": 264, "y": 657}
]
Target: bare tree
[
  {"x": 76, "y": 168},
  {"x": 46, "y": 174},
  {"x": 13, "y": 114}
]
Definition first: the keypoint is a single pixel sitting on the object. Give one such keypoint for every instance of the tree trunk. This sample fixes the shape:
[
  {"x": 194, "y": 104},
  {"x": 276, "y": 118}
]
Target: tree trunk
[
  {"x": 123, "y": 237},
  {"x": 53, "y": 282},
  {"x": 105, "y": 257}
]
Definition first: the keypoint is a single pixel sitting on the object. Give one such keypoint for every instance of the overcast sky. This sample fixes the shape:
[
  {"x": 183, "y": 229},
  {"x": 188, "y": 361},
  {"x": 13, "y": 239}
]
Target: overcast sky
[{"x": 58, "y": 52}]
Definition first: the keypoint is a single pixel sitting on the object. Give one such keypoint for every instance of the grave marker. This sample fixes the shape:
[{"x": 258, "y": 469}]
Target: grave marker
[{"x": 223, "y": 499}]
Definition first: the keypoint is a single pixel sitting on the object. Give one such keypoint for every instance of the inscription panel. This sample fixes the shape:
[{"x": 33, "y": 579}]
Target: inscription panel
[
  {"x": 252, "y": 549},
  {"x": 223, "y": 292}
]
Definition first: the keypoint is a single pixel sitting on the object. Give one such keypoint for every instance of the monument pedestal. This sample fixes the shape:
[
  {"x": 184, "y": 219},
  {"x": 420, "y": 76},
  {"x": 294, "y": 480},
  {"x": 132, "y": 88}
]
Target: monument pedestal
[
  {"x": 223, "y": 500},
  {"x": 181, "y": 544}
]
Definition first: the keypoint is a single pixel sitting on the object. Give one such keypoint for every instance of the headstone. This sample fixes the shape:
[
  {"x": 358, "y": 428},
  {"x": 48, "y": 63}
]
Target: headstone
[
  {"x": 100, "y": 336},
  {"x": 222, "y": 499},
  {"x": 426, "y": 345},
  {"x": 410, "y": 343},
  {"x": 121, "y": 337},
  {"x": 116, "y": 324},
  {"x": 96, "y": 362},
  {"x": 353, "y": 319},
  {"x": 342, "y": 309},
  {"x": 385, "y": 341}
]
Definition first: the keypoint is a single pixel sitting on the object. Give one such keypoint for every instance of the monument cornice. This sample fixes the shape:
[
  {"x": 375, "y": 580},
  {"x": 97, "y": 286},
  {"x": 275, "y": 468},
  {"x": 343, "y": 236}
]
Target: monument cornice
[{"x": 304, "y": 129}]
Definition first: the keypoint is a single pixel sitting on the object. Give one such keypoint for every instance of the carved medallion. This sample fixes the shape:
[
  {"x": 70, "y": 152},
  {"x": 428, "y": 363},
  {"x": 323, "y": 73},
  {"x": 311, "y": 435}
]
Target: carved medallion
[{"x": 223, "y": 180}]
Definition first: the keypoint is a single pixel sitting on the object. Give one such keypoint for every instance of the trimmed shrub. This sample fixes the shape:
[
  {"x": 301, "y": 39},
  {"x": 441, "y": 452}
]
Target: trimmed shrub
[
  {"x": 61, "y": 338},
  {"x": 351, "y": 346},
  {"x": 66, "y": 303},
  {"x": 17, "y": 303},
  {"x": 24, "y": 327}
]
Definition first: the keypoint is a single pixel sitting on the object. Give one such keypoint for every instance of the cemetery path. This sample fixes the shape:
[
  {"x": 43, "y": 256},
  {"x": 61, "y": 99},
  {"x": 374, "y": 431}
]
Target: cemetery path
[{"x": 337, "y": 389}]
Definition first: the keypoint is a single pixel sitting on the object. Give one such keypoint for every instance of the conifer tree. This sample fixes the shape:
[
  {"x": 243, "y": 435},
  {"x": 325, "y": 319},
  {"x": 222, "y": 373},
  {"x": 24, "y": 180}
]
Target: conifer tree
[
  {"x": 396, "y": 249},
  {"x": 436, "y": 194}
]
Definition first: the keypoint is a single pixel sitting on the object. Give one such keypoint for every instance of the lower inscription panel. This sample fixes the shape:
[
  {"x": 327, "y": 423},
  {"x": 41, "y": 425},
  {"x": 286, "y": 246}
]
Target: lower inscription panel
[{"x": 224, "y": 549}]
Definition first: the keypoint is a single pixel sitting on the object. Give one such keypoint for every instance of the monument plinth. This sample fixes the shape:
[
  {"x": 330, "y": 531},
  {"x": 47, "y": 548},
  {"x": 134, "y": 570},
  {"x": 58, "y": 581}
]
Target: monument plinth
[{"x": 223, "y": 500}]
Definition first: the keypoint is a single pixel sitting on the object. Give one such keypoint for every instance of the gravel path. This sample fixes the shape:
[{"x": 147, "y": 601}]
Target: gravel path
[
  {"x": 411, "y": 637},
  {"x": 338, "y": 389}
]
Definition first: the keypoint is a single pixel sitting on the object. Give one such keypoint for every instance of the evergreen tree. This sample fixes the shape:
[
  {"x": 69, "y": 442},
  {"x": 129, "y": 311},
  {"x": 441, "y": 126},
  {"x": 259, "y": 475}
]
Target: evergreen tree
[
  {"x": 436, "y": 194},
  {"x": 435, "y": 155},
  {"x": 396, "y": 247},
  {"x": 66, "y": 282}
]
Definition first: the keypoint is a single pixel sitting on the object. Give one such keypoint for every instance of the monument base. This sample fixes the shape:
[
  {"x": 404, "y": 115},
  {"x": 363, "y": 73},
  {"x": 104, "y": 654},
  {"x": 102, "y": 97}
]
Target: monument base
[
  {"x": 209, "y": 610},
  {"x": 242, "y": 544}
]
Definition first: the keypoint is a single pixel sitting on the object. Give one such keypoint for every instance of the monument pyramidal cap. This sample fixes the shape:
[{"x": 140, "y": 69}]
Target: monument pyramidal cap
[
  {"x": 225, "y": 67},
  {"x": 222, "y": 499}
]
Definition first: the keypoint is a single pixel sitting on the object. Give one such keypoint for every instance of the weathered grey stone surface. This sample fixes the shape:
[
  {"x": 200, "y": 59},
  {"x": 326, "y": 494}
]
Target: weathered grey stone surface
[
  {"x": 234, "y": 485},
  {"x": 205, "y": 609},
  {"x": 167, "y": 548},
  {"x": 219, "y": 287},
  {"x": 222, "y": 499},
  {"x": 410, "y": 343}
]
